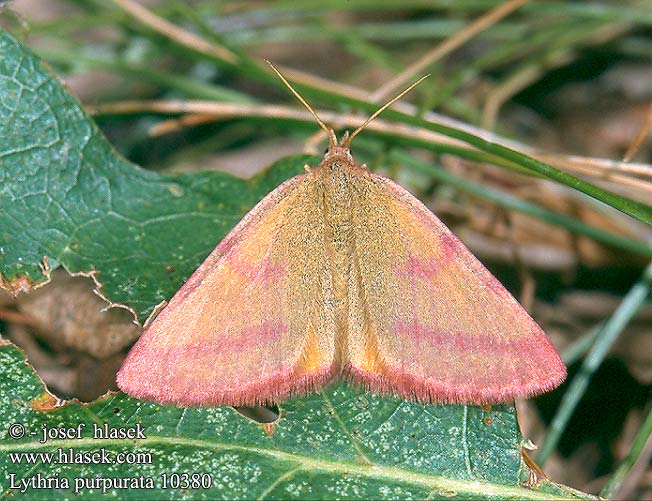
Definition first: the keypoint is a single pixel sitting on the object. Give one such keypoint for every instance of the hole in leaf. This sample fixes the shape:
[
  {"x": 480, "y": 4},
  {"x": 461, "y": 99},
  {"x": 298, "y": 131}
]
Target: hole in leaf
[
  {"x": 73, "y": 342},
  {"x": 260, "y": 413}
]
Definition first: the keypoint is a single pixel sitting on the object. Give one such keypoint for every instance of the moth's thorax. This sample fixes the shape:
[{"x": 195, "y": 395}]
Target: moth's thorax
[
  {"x": 338, "y": 168},
  {"x": 337, "y": 177}
]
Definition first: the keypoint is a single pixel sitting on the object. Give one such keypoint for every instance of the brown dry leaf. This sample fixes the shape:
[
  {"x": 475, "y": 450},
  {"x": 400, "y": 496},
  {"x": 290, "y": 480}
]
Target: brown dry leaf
[
  {"x": 67, "y": 314},
  {"x": 74, "y": 343}
]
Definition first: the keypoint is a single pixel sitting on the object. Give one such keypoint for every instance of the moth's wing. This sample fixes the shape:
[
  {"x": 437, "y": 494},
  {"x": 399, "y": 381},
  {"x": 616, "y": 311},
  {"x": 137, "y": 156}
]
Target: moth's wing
[
  {"x": 253, "y": 323},
  {"x": 427, "y": 321}
]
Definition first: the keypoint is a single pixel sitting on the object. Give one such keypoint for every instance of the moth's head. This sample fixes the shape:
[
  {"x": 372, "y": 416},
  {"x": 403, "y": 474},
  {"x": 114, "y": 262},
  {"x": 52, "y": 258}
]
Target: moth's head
[{"x": 339, "y": 148}]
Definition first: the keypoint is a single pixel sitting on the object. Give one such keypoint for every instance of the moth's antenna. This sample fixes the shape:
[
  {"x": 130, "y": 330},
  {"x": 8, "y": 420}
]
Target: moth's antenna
[
  {"x": 347, "y": 141},
  {"x": 332, "y": 139}
]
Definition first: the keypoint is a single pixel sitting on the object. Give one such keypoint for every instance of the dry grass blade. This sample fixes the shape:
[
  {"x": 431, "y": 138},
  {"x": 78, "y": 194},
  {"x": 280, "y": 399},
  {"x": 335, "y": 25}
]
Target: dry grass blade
[
  {"x": 172, "y": 31},
  {"x": 646, "y": 128},
  {"x": 447, "y": 46}
]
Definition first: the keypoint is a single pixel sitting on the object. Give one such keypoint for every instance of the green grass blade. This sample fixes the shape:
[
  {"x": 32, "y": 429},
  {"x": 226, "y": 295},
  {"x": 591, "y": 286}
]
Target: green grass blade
[
  {"x": 644, "y": 434},
  {"x": 636, "y": 296}
]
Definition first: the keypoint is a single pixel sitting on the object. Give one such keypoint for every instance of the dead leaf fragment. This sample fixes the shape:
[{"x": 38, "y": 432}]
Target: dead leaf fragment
[{"x": 68, "y": 314}]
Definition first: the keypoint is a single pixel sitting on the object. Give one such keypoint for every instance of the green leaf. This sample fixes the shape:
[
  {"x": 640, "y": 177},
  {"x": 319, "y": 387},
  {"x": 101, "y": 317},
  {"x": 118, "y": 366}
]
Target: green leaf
[
  {"x": 67, "y": 195},
  {"x": 340, "y": 443}
]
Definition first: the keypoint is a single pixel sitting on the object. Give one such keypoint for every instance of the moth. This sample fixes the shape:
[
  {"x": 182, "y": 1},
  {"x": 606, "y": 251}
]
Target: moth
[{"x": 340, "y": 272}]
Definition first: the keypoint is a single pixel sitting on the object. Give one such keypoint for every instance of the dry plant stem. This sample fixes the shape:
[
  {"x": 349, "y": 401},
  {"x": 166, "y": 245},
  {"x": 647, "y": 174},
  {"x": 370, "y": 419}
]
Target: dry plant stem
[
  {"x": 602, "y": 164},
  {"x": 172, "y": 31},
  {"x": 536, "y": 473},
  {"x": 636, "y": 144},
  {"x": 446, "y": 47},
  {"x": 207, "y": 111},
  {"x": 200, "y": 110},
  {"x": 16, "y": 317},
  {"x": 605, "y": 175},
  {"x": 213, "y": 108},
  {"x": 174, "y": 124}
]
